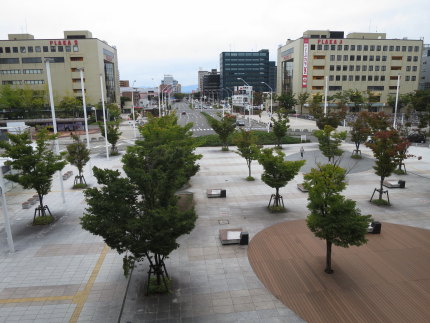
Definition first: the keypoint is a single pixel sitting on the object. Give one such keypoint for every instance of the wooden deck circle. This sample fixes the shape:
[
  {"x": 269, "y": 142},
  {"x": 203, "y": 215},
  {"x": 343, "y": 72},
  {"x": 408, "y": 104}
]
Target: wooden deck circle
[{"x": 386, "y": 280}]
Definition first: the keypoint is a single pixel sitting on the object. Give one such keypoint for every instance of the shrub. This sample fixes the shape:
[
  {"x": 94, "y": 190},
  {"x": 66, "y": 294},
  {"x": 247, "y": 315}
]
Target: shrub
[{"x": 43, "y": 220}]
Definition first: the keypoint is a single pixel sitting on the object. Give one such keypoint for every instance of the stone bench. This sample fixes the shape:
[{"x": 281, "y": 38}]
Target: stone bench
[{"x": 302, "y": 188}]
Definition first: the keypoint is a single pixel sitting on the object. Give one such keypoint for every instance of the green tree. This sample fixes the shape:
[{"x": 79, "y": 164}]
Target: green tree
[
  {"x": 223, "y": 128},
  {"x": 302, "y": 98},
  {"x": 34, "y": 168},
  {"x": 356, "y": 98},
  {"x": 277, "y": 173},
  {"x": 332, "y": 117},
  {"x": 420, "y": 101},
  {"x": 247, "y": 148},
  {"x": 360, "y": 131},
  {"x": 385, "y": 146},
  {"x": 333, "y": 217},
  {"x": 287, "y": 101},
  {"x": 113, "y": 134},
  {"x": 123, "y": 100},
  {"x": 258, "y": 98},
  {"x": 138, "y": 215},
  {"x": 179, "y": 96},
  {"x": 78, "y": 155},
  {"x": 280, "y": 127},
  {"x": 329, "y": 142},
  {"x": 71, "y": 105}
]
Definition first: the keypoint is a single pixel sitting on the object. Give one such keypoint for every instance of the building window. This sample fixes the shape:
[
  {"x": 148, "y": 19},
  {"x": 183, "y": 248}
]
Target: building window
[
  {"x": 318, "y": 77},
  {"x": 377, "y": 67},
  {"x": 331, "y": 78},
  {"x": 396, "y": 58},
  {"x": 408, "y": 68},
  {"x": 403, "y": 48},
  {"x": 345, "y": 47},
  {"x": 15, "y": 49},
  {"x": 332, "y": 58},
  {"x": 338, "y": 67},
  {"x": 331, "y": 67},
  {"x": 369, "y": 78},
  {"x": 75, "y": 48},
  {"x": 357, "y": 78},
  {"x": 335, "y": 88},
  {"x": 407, "y": 78},
  {"x": 372, "y": 48},
  {"x": 11, "y": 60},
  {"x": 384, "y": 58},
  {"x": 339, "y": 57},
  {"x": 378, "y": 48},
  {"x": 396, "y": 68},
  {"x": 371, "y": 58},
  {"x": 384, "y": 48},
  {"x": 363, "y": 77},
  {"x": 416, "y": 49},
  {"x": 22, "y": 49},
  {"x": 383, "y": 68},
  {"x": 60, "y": 48},
  {"x": 393, "y": 78},
  {"x": 413, "y": 78},
  {"x": 415, "y": 58},
  {"x": 337, "y": 77},
  {"x": 382, "y": 77},
  {"x": 318, "y": 87},
  {"x": 14, "y": 82},
  {"x": 365, "y": 47},
  {"x": 345, "y": 58},
  {"x": 10, "y": 72},
  {"x": 37, "y": 49},
  {"x": 30, "y": 49},
  {"x": 1, "y": 50},
  {"x": 45, "y": 49},
  {"x": 7, "y": 49},
  {"x": 375, "y": 88},
  {"x": 320, "y": 56},
  {"x": 344, "y": 77},
  {"x": 364, "y": 69},
  {"x": 359, "y": 58},
  {"x": 56, "y": 59},
  {"x": 351, "y": 57},
  {"x": 312, "y": 47},
  {"x": 378, "y": 58},
  {"x": 351, "y": 78},
  {"x": 391, "y": 48},
  {"x": 409, "y": 48},
  {"x": 332, "y": 47},
  {"x": 344, "y": 68},
  {"x": 31, "y": 60},
  {"x": 364, "y": 58},
  {"x": 370, "y": 68},
  {"x": 339, "y": 47},
  {"x": 352, "y": 47},
  {"x": 358, "y": 68},
  {"x": 414, "y": 68},
  {"x": 351, "y": 68},
  {"x": 409, "y": 59},
  {"x": 376, "y": 78},
  {"x": 319, "y": 47},
  {"x": 359, "y": 47},
  {"x": 68, "y": 49},
  {"x": 34, "y": 82},
  {"x": 325, "y": 47},
  {"x": 76, "y": 59},
  {"x": 397, "y": 48},
  {"x": 32, "y": 71}
]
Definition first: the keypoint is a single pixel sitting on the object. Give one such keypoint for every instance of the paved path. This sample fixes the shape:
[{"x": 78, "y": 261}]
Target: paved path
[{"x": 61, "y": 273}]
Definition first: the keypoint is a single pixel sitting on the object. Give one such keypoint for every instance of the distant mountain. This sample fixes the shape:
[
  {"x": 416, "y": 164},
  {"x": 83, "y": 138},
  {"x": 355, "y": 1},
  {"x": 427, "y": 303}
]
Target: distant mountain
[{"x": 188, "y": 88}]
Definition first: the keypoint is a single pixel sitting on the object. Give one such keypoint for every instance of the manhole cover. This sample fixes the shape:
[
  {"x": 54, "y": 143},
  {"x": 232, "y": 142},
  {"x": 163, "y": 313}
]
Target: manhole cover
[{"x": 223, "y": 222}]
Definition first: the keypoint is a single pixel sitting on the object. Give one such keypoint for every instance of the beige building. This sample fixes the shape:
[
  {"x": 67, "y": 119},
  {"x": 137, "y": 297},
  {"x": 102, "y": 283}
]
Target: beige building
[
  {"x": 359, "y": 61},
  {"x": 22, "y": 63}
]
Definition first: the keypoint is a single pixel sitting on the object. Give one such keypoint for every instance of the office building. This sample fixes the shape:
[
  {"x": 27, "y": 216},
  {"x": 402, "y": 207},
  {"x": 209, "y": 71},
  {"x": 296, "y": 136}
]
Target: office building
[
  {"x": 211, "y": 85},
  {"x": 359, "y": 61},
  {"x": 170, "y": 85},
  {"x": 22, "y": 63},
  {"x": 252, "y": 67},
  {"x": 424, "y": 83},
  {"x": 200, "y": 76}
]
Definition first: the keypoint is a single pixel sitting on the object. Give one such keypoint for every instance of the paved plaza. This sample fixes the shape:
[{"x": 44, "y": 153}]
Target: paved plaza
[{"x": 61, "y": 273}]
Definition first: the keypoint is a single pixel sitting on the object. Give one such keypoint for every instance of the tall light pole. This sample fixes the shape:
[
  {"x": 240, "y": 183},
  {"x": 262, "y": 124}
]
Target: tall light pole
[
  {"x": 104, "y": 115},
  {"x": 5, "y": 212},
  {"x": 54, "y": 121},
  {"x": 325, "y": 96},
  {"x": 132, "y": 107},
  {"x": 81, "y": 71},
  {"x": 397, "y": 102}
]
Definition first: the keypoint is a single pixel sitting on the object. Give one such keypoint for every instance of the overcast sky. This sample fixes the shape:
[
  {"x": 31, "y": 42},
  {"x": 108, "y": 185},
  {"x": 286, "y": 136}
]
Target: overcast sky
[{"x": 154, "y": 38}]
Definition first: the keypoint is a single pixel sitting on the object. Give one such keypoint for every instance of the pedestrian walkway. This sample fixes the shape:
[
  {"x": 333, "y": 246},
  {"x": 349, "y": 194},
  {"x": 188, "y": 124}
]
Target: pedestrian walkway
[{"x": 61, "y": 273}]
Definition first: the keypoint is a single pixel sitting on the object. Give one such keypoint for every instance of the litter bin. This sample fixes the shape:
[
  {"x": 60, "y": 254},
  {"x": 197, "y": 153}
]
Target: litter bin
[
  {"x": 402, "y": 184},
  {"x": 223, "y": 193},
  {"x": 244, "y": 238},
  {"x": 376, "y": 227}
]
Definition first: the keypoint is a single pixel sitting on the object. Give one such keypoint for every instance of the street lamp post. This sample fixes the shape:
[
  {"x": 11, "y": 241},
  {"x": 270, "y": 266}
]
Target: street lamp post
[
  {"x": 54, "y": 122},
  {"x": 325, "y": 96},
  {"x": 81, "y": 70},
  {"x": 132, "y": 107},
  {"x": 104, "y": 115},
  {"x": 397, "y": 102},
  {"x": 5, "y": 212}
]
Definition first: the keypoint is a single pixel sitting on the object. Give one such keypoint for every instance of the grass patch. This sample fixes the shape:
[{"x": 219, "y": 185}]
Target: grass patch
[
  {"x": 80, "y": 186},
  {"x": 250, "y": 178},
  {"x": 399, "y": 172},
  {"x": 115, "y": 153},
  {"x": 224, "y": 149},
  {"x": 154, "y": 288},
  {"x": 43, "y": 220},
  {"x": 276, "y": 209},
  {"x": 355, "y": 156},
  {"x": 379, "y": 202},
  {"x": 262, "y": 138}
]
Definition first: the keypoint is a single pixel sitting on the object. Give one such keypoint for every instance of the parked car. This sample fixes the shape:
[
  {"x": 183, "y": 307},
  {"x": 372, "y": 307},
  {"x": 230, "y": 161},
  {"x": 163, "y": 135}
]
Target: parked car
[
  {"x": 417, "y": 137},
  {"x": 240, "y": 123},
  {"x": 183, "y": 113}
]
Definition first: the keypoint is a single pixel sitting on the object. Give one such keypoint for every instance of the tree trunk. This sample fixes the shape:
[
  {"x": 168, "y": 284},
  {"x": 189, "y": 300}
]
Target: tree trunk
[
  {"x": 249, "y": 168},
  {"x": 380, "y": 187},
  {"x": 277, "y": 197},
  {"x": 328, "y": 269}
]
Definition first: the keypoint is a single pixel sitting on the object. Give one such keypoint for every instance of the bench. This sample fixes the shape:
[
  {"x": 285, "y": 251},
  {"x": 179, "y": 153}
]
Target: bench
[
  {"x": 233, "y": 236},
  {"x": 394, "y": 184},
  {"x": 216, "y": 192},
  {"x": 302, "y": 188}
]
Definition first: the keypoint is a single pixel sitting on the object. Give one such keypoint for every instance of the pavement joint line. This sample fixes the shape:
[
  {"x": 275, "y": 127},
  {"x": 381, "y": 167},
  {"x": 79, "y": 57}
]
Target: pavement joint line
[{"x": 79, "y": 298}]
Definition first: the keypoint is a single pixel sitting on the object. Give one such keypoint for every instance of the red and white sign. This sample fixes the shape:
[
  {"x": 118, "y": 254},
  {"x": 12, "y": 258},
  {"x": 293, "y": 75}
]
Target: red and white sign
[
  {"x": 63, "y": 42},
  {"x": 305, "y": 62},
  {"x": 330, "y": 41}
]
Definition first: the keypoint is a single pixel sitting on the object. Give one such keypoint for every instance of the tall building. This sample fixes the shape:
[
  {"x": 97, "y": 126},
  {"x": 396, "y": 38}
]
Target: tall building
[
  {"x": 201, "y": 74},
  {"x": 359, "y": 61},
  {"x": 252, "y": 67},
  {"x": 211, "y": 85},
  {"x": 424, "y": 83},
  {"x": 22, "y": 63},
  {"x": 170, "y": 85}
]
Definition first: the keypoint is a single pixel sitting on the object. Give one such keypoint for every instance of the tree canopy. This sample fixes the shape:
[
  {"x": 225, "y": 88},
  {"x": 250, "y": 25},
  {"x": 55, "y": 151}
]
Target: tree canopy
[
  {"x": 78, "y": 155},
  {"x": 247, "y": 148},
  {"x": 329, "y": 142},
  {"x": 333, "y": 217},
  {"x": 280, "y": 127},
  {"x": 224, "y": 128}
]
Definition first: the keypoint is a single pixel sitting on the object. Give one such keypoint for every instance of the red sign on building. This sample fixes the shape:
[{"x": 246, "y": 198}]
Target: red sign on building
[
  {"x": 63, "y": 42},
  {"x": 305, "y": 62}
]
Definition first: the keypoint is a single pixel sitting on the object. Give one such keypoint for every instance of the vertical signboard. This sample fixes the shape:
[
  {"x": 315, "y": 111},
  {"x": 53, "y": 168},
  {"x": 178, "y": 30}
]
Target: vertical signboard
[{"x": 305, "y": 62}]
